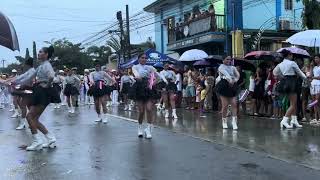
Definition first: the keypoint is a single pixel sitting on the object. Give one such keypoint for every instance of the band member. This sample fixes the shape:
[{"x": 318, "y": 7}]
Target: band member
[
  {"x": 71, "y": 91},
  {"x": 125, "y": 84},
  {"x": 145, "y": 93},
  {"x": 23, "y": 91},
  {"x": 58, "y": 84},
  {"x": 227, "y": 89},
  {"x": 168, "y": 91},
  {"x": 99, "y": 90},
  {"x": 43, "y": 94}
]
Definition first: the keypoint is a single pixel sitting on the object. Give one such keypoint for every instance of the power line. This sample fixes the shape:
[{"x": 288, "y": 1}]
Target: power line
[{"x": 56, "y": 19}]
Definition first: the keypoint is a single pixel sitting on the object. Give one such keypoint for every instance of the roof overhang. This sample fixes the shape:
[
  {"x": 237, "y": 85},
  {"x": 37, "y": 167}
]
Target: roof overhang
[{"x": 158, "y": 5}]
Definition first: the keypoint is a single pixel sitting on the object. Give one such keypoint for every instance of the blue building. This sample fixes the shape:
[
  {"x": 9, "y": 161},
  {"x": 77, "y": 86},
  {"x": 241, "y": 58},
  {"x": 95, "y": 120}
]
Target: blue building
[{"x": 206, "y": 24}]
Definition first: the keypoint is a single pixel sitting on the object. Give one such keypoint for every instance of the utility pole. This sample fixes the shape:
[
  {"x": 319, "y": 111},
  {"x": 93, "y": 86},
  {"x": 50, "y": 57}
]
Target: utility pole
[
  {"x": 128, "y": 32},
  {"x": 123, "y": 48}
]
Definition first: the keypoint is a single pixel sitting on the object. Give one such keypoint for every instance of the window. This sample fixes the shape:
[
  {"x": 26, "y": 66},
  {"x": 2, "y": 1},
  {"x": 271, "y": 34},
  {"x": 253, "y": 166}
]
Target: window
[{"x": 288, "y": 4}]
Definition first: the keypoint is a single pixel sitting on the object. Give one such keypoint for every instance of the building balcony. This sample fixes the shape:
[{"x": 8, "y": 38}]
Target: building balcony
[{"x": 202, "y": 29}]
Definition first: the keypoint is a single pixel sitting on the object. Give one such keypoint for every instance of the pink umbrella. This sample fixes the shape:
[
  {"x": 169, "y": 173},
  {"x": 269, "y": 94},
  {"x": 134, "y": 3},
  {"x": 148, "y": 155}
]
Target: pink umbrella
[
  {"x": 261, "y": 55},
  {"x": 296, "y": 51},
  {"x": 8, "y": 35}
]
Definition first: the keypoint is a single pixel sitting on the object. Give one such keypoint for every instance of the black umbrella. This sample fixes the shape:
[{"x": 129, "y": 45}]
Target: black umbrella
[
  {"x": 8, "y": 35},
  {"x": 245, "y": 64}
]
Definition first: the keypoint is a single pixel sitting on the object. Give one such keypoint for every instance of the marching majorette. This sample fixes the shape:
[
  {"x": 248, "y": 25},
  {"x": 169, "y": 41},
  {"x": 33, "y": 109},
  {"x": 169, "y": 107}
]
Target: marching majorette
[
  {"x": 169, "y": 91},
  {"x": 42, "y": 95},
  {"x": 71, "y": 91},
  {"x": 145, "y": 93},
  {"x": 100, "y": 90},
  {"x": 227, "y": 90}
]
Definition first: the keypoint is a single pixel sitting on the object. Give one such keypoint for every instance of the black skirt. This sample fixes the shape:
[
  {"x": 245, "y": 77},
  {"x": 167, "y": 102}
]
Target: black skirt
[
  {"x": 141, "y": 92},
  {"x": 99, "y": 89},
  {"x": 44, "y": 96},
  {"x": 288, "y": 85},
  {"x": 225, "y": 89},
  {"x": 125, "y": 88},
  {"x": 70, "y": 90},
  {"x": 24, "y": 91},
  {"x": 170, "y": 87},
  {"x": 57, "y": 87}
]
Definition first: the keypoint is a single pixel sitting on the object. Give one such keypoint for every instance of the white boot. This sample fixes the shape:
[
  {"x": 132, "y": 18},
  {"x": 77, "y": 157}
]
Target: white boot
[
  {"x": 126, "y": 107},
  {"x": 130, "y": 107},
  {"x": 234, "y": 123},
  {"x": 147, "y": 131},
  {"x": 19, "y": 112},
  {"x": 224, "y": 123},
  {"x": 16, "y": 114},
  {"x": 22, "y": 124},
  {"x": 105, "y": 119},
  {"x": 174, "y": 114},
  {"x": 72, "y": 111},
  {"x": 99, "y": 118},
  {"x": 36, "y": 143},
  {"x": 50, "y": 138},
  {"x": 166, "y": 113},
  {"x": 140, "y": 130},
  {"x": 294, "y": 122},
  {"x": 284, "y": 123}
]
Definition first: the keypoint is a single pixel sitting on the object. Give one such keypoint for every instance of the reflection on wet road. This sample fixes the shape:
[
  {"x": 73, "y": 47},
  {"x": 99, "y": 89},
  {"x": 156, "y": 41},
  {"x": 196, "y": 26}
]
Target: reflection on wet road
[{"x": 255, "y": 134}]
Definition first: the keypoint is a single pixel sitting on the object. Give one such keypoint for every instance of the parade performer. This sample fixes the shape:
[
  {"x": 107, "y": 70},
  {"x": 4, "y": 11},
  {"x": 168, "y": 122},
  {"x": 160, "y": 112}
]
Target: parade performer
[
  {"x": 227, "y": 90},
  {"x": 71, "y": 91},
  {"x": 99, "y": 90},
  {"x": 57, "y": 85},
  {"x": 168, "y": 91},
  {"x": 43, "y": 94},
  {"x": 23, "y": 91},
  {"x": 86, "y": 85},
  {"x": 288, "y": 72},
  {"x": 15, "y": 99},
  {"x": 125, "y": 84},
  {"x": 145, "y": 93}
]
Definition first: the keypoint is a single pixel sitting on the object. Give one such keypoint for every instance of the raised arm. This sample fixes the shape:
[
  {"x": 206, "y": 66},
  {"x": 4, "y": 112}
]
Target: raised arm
[{"x": 26, "y": 77}]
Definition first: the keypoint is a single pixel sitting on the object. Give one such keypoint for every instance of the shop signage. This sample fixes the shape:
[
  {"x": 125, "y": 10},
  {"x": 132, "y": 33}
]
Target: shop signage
[{"x": 196, "y": 40}]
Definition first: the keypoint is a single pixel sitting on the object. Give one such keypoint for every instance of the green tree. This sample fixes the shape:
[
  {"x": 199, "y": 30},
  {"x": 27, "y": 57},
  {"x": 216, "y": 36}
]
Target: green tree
[
  {"x": 101, "y": 53},
  {"x": 70, "y": 55},
  {"x": 311, "y": 14},
  {"x": 27, "y": 54}
]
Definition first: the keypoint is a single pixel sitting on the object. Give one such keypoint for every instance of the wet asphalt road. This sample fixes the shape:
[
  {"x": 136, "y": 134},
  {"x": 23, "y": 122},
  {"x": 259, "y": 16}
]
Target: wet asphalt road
[{"x": 97, "y": 151}]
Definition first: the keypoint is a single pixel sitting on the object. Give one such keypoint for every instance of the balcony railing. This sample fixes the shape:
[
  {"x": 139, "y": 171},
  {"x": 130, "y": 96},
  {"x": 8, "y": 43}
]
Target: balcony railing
[{"x": 202, "y": 24}]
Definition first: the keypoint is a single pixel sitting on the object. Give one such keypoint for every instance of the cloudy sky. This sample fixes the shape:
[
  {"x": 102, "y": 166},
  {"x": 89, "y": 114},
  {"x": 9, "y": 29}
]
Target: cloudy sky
[{"x": 44, "y": 20}]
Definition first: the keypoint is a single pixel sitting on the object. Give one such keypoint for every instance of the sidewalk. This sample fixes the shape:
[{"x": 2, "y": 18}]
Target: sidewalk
[{"x": 95, "y": 151}]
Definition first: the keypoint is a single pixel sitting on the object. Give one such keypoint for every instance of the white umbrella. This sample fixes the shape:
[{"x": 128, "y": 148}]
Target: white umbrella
[
  {"x": 309, "y": 38},
  {"x": 193, "y": 55}
]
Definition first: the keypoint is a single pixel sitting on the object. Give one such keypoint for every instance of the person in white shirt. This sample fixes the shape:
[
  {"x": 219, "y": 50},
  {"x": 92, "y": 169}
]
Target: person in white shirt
[
  {"x": 57, "y": 84},
  {"x": 179, "y": 88},
  {"x": 287, "y": 71},
  {"x": 99, "y": 90},
  {"x": 227, "y": 90},
  {"x": 315, "y": 88},
  {"x": 23, "y": 92},
  {"x": 145, "y": 93},
  {"x": 168, "y": 91},
  {"x": 71, "y": 89},
  {"x": 126, "y": 82}
]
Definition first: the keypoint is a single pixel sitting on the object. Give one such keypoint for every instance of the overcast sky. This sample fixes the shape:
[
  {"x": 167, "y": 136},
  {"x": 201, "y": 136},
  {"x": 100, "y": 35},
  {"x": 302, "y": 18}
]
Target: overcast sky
[{"x": 43, "y": 20}]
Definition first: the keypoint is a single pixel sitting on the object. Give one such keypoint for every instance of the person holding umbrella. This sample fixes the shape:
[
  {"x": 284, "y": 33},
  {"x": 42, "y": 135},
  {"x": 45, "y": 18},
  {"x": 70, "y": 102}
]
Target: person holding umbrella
[
  {"x": 289, "y": 71},
  {"x": 227, "y": 90}
]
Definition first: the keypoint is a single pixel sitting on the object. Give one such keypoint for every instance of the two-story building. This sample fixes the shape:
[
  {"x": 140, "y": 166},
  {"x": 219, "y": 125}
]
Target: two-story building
[{"x": 207, "y": 24}]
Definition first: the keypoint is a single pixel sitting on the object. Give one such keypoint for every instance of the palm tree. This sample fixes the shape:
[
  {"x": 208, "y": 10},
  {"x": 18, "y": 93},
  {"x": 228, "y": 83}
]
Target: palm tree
[{"x": 114, "y": 43}]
